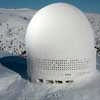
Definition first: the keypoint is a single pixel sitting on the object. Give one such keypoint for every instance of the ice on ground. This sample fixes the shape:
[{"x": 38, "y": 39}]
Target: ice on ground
[
  {"x": 90, "y": 91},
  {"x": 7, "y": 78},
  {"x": 11, "y": 84},
  {"x": 13, "y": 87}
]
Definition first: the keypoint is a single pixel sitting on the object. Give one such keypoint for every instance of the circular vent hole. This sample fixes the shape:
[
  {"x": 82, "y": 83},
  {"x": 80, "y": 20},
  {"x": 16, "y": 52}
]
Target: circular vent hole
[
  {"x": 58, "y": 81},
  {"x": 40, "y": 80},
  {"x": 69, "y": 81}
]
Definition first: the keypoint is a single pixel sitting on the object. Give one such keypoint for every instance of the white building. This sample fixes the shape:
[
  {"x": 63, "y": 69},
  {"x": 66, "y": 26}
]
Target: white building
[{"x": 60, "y": 45}]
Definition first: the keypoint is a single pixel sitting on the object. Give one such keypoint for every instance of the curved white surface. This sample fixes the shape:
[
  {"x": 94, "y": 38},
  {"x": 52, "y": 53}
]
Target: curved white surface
[{"x": 60, "y": 45}]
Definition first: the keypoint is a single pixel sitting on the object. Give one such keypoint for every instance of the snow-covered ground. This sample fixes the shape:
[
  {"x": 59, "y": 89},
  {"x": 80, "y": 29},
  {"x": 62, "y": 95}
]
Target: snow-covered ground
[
  {"x": 11, "y": 84},
  {"x": 13, "y": 87},
  {"x": 13, "y": 24}
]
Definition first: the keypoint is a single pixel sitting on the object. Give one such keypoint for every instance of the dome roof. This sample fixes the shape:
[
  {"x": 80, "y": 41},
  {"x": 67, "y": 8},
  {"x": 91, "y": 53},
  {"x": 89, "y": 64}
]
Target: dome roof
[{"x": 60, "y": 41}]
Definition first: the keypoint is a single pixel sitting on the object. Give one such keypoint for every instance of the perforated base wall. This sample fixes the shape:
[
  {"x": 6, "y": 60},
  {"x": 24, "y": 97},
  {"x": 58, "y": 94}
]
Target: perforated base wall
[
  {"x": 64, "y": 64},
  {"x": 58, "y": 71}
]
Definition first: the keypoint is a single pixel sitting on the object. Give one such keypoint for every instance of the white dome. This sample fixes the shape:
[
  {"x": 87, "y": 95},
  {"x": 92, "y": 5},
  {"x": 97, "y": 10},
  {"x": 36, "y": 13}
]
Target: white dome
[{"x": 60, "y": 45}]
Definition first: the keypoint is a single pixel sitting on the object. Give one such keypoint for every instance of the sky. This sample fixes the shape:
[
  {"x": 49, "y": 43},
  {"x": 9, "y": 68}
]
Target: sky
[{"x": 84, "y": 5}]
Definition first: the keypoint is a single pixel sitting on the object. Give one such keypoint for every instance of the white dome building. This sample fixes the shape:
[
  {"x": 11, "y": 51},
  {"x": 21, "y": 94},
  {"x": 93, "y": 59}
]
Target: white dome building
[{"x": 60, "y": 45}]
